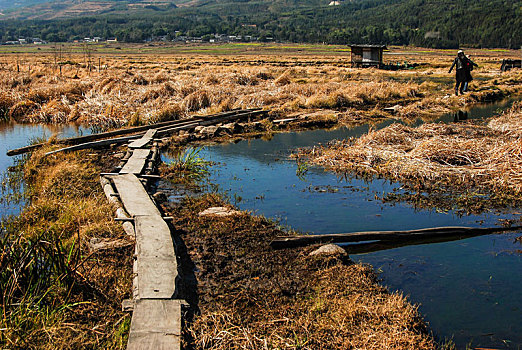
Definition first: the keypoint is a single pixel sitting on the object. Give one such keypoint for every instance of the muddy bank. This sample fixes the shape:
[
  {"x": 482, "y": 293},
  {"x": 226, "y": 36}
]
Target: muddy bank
[{"x": 244, "y": 294}]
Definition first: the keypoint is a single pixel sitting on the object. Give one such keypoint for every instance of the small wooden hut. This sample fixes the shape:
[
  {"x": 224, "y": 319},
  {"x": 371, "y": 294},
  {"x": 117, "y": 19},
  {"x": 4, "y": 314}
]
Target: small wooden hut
[{"x": 367, "y": 55}]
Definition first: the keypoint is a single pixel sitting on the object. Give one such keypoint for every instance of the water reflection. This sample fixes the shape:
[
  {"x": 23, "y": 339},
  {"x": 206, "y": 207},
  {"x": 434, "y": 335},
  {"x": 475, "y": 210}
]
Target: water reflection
[
  {"x": 14, "y": 135},
  {"x": 460, "y": 116}
]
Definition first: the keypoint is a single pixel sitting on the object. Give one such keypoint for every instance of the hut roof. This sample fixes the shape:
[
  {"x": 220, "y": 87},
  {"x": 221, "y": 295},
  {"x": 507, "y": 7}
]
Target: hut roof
[{"x": 370, "y": 46}]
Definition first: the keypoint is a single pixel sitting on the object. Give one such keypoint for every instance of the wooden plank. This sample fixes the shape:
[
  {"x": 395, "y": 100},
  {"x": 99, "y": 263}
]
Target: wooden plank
[
  {"x": 136, "y": 162},
  {"x": 135, "y": 199},
  {"x": 156, "y": 278},
  {"x": 157, "y": 268},
  {"x": 153, "y": 238},
  {"x": 296, "y": 241},
  {"x": 147, "y": 138},
  {"x": 237, "y": 116},
  {"x": 95, "y": 144},
  {"x": 156, "y": 324}
]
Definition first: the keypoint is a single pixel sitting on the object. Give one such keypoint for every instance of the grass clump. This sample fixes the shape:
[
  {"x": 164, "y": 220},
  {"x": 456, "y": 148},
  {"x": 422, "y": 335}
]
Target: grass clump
[
  {"x": 187, "y": 167},
  {"x": 58, "y": 293},
  {"x": 471, "y": 162}
]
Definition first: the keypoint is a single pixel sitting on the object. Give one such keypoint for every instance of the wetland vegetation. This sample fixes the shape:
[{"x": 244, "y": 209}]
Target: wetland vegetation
[{"x": 59, "y": 291}]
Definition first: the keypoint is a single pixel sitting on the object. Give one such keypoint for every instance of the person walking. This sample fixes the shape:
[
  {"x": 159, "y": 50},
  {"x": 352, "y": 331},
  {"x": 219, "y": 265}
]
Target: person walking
[{"x": 463, "y": 67}]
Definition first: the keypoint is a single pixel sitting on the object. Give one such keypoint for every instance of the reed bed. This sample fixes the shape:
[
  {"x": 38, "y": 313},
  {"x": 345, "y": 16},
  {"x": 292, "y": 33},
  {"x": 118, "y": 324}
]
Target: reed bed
[
  {"x": 57, "y": 292},
  {"x": 120, "y": 88},
  {"x": 437, "y": 157}
]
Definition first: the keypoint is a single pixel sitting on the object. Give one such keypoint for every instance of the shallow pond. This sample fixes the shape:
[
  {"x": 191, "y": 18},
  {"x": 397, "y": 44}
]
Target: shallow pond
[
  {"x": 468, "y": 289},
  {"x": 13, "y": 135}
]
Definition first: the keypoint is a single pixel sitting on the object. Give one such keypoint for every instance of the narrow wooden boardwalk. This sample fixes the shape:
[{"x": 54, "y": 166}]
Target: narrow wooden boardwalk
[{"x": 156, "y": 319}]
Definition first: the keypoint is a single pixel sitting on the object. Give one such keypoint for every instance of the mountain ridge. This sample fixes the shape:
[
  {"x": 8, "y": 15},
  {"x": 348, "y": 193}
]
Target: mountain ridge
[
  {"x": 51, "y": 9},
  {"x": 432, "y": 23}
]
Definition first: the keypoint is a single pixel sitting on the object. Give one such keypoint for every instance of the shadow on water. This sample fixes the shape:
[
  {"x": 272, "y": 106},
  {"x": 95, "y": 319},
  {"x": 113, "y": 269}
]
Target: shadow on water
[
  {"x": 372, "y": 247},
  {"x": 467, "y": 288}
]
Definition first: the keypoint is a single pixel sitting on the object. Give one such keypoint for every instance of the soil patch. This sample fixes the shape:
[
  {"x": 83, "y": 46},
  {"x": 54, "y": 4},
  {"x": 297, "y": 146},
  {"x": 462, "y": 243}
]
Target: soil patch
[{"x": 248, "y": 296}]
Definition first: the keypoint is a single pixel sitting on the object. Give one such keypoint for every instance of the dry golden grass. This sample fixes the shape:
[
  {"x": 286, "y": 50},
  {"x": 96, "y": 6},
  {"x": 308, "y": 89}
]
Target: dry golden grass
[
  {"x": 250, "y": 296},
  {"x": 348, "y": 310},
  {"x": 58, "y": 293},
  {"x": 437, "y": 156},
  {"x": 145, "y": 84}
]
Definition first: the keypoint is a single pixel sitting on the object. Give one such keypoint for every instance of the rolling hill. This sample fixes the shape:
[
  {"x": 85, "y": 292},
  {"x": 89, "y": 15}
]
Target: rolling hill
[
  {"x": 51, "y": 10},
  {"x": 437, "y": 23}
]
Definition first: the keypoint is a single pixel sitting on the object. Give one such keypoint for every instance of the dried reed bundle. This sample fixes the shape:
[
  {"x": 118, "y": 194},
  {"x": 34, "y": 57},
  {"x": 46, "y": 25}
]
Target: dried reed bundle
[{"x": 437, "y": 156}]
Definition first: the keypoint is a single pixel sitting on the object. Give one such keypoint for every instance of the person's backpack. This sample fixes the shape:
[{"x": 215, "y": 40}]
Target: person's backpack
[{"x": 468, "y": 64}]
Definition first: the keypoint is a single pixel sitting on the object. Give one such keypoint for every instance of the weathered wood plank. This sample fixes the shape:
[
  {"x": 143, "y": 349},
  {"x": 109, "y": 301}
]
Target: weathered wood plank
[
  {"x": 153, "y": 238},
  {"x": 135, "y": 199},
  {"x": 156, "y": 324},
  {"x": 295, "y": 241},
  {"x": 156, "y": 278},
  {"x": 120, "y": 212},
  {"x": 157, "y": 268},
  {"x": 136, "y": 162},
  {"x": 147, "y": 138},
  {"x": 95, "y": 144}
]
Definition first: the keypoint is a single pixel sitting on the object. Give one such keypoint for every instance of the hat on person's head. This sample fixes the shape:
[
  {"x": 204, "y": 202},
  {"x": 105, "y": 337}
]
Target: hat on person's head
[{"x": 460, "y": 51}]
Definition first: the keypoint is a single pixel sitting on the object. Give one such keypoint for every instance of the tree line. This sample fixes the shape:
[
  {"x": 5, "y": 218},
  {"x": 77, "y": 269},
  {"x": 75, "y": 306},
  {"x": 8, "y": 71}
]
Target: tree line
[{"x": 429, "y": 23}]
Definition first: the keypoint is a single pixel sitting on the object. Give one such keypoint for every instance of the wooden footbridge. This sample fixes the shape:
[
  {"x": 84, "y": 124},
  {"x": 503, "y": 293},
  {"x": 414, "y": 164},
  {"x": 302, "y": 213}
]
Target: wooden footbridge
[{"x": 156, "y": 319}]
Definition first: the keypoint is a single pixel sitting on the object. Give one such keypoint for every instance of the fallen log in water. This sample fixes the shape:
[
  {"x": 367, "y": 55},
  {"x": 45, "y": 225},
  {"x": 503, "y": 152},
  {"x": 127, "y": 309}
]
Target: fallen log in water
[
  {"x": 127, "y": 131},
  {"x": 375, "y": 246},
  {"x": 387, "y": 236}
]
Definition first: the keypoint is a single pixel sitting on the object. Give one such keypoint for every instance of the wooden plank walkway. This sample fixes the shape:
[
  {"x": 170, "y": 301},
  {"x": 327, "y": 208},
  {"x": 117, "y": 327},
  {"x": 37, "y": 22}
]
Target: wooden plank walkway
[
  {"x": 136, "y": 162},
  {"x": 146, "y": 139},
  {"x": 156, "y": 324},
  {"x": 156, "y": 319}
]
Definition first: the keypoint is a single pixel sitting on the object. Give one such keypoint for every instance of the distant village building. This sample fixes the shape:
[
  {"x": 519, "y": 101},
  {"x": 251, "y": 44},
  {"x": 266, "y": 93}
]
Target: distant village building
[
  {"x": 112, "y": 40},
  {"x": 334, "y": 3},
  {"x": 432, "y": 35},
  {"x": 367, "y": 55}
]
